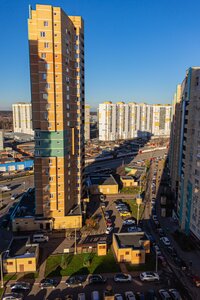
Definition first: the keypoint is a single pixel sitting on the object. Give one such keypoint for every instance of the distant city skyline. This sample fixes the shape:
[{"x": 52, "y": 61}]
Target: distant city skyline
[{"x": 136, "y": 51}]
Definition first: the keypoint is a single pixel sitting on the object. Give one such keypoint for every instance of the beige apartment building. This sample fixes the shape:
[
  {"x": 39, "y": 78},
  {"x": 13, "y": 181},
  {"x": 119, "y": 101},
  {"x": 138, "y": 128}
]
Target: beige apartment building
[
  {"x": 187, "y": 154},
  {"x": 125, "y": 121},
  {"x": 22, "y": 118},
  {"x": 87, "y": 122},
  {"x": 56, "y": 44}
]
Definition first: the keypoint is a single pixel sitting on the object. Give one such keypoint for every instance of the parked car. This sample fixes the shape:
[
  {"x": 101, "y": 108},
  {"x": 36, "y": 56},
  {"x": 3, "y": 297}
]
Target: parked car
[
  {"x": 140, "y": 296},
  {"x": 122, "y": 277},
  {"x": 157, "y": 250},
  {"x": 81, "y": 296},
  {"x": 103, "y": 204},
  {"x": 196, "y": 280},
  {"x": 162, "y": 260},
  {"x": 108, "y": 222},
  {"x": 134, "y": 229},
  {"x": 96, "y": 278},
  {"x": 12, "y": 296},
  {"x": 161, "y": 232},
  {"x": 164, "y": 294},
  {"x": 48, "y": 283},
  {"x": 74, "y": 281},
  {"x": 106, "y": 215},
  {"x": 109, "y": 230},
  {"x": 118, "y": 297},
  {"x": 151, "y": 295},
  {"x": 129, "y": 222},
  {"x": 95, "y": 295},
  {"x": 125, "y": 213},
  {"x": 175, "y": 295},
  {"x": 165, "y": 241},
  {"x": 68, "y": 297},
  {"x": 20, "y": 287},
  {"x": 130, "y": 295},
  {"x": 14, "y": 196},
  {"x": 149, "y": 276},
  {"x": 5, "y": 188}
]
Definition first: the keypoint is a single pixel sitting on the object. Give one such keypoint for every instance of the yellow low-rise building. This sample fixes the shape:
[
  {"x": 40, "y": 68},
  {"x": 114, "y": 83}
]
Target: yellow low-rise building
[
  {"x": 128, "y": 181},
  {"x": 105, "y": 184},
  {"x": 131, "y": 247},
  {"x": 21, "y": 256}
]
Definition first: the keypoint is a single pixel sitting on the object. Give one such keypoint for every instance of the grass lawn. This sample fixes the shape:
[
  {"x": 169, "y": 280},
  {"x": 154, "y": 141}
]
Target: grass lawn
[
  {"x": 149, "y": 265},
  {"x": 133, "y": 207},
  {"x": 68, "y": 264},
  {"x": 130, "y": 190},
  {"x": 1, "y": 292},
  {"x": 8, "y": 277}
]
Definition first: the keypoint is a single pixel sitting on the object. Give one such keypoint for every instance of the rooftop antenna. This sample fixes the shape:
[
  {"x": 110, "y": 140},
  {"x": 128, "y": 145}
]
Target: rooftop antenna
[{"x": 30, "y": 11}]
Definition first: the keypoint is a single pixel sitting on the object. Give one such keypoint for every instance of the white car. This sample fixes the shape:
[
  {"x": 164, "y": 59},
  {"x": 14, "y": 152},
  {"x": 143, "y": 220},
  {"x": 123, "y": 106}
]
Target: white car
[
  {"x": 164, "y": 294},
  {"x": 14, "y": 196},
  {"x": 122, "y": 277},
  {"x": 157, "y": 250},
  {"x": 175, "y": 295},
  {"x": 149, "y": 276},
  {"x": 13, "y": 296},
  {"x": 154, "y": 217},
  {"x": 109, "y": 230},
  {"x": 129, "y": 222},
  {"x": 165, "y": 241},
  {"x": 118, "y": 297},
  {"x": 129, "y": 295}
]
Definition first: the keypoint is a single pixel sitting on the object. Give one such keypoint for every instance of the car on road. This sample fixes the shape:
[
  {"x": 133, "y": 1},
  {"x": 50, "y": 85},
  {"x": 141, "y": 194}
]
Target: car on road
[
  {"x": 129, "y": 222},
  {"x": 103, "y": 204},
  {"x": 75, "y": 280},
  {"x": 122, "y": 277},
  {"x": 109, "y": 230},
  {"x": 48, "y": 283},
  {"x": 157, "y": 249},
  {"x": 118, "y": 297},
  {"x": 125, "y": 213},
  {"x": 5, "y": 188},
  {"x": 130, "y": 295},
  {"x": 20, "y": 286},
  {"x": 12, "y": 296},
  {"x": 175, "y": 295},
  {"x": 106, "y": 215},
  {"x": 14, "y": 196},
  {"x": 165, "y": 241},
  {"x": 154, "y": 218},
  {"x": 164, "y": 294},
  {"x": 96, "y": 278},
  {"x": 149, "y": 276}
]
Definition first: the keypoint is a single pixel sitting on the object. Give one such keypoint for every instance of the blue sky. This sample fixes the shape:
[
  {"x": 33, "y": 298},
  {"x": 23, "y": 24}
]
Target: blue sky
[{"x": 136, "y": 50}]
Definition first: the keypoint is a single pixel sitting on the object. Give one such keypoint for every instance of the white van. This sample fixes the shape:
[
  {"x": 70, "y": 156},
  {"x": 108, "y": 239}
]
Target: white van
[
  {"x": 95, "y": 295},
  {"x": 5, "y": 188},
  {"x": 40, "y": 237},
  {"x": 81, "y": 296}
]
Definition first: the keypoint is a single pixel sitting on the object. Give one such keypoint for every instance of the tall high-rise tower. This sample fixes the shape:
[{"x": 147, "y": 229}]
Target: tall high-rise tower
[{"x": 56, "y": 43}]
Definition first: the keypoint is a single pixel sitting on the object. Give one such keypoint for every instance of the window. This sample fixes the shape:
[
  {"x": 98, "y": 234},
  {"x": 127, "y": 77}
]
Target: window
[
  {"x": 10, "y": 263},
  {"x": 42, "y": 34},
  {"x": 48, "y": 86},
  {"x": 30, "y": 262},
  {"x": 138, "y": 254},
  {"x": 43, "y": 55},
  {"x": 46, "y": 45},
  {"x": 50, "y": 161},
  {"x": 51, "y": 179},
  {"x": 45, "y": 23},
  {"x": 47, "y": 66},
  {"x": 45, "y": 96},
  {"x": 51, "y": 195},
  {"x": 127, "y": 252},
  {"x": 44, "y": 76}
]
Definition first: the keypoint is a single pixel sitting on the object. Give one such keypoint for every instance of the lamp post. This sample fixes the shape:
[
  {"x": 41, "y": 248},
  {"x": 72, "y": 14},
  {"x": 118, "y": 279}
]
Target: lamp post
[
  {"x": 138, "y": 202},
  {"x": 1, "y": 256}
]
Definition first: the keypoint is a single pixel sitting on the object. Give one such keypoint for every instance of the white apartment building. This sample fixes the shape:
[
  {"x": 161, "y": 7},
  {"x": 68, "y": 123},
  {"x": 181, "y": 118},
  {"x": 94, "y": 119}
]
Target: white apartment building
[
  {"x": 126, "y": 121},
  {"x": 22, "y": 118}
]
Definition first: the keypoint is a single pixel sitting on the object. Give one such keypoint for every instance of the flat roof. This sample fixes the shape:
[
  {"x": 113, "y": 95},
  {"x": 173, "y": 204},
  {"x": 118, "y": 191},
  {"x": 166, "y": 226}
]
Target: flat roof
[
  {"x": 102, "y": 180},
  {"x": 130, "y": 240},
  {"x": 21, "y": 247},
  {"x": 127, "y": 177}
]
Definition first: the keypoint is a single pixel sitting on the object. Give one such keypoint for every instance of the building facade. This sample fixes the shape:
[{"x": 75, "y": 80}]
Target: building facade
[
  {"x": 188, "y": 154},
  {"x": 56, "y": 45},
  {"x": 1, "y": 140},
  {"x": 126, "y": 121},
  {"x": 87, "y": 122},
  {"x": 22, "y": 118}
]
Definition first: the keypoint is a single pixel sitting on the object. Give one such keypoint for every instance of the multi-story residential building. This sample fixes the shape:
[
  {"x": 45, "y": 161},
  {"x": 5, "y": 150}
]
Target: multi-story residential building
[
  {"x": 175, "y": 140},
  {"x": 1, "y": 140},
  {"x": 188, "y": 154},
  {"x": 126, "y": 121},
  {"x": 87, "y": 122},
  {"x": 56, "y": 44},
  {"x": 22, "y": 118}
]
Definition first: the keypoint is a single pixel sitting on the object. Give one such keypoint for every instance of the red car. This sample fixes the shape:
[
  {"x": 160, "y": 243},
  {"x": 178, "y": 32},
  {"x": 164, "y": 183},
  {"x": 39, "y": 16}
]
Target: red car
[
  {"x": 109, "y": 222},
  {"x": 196, "y": 280}
]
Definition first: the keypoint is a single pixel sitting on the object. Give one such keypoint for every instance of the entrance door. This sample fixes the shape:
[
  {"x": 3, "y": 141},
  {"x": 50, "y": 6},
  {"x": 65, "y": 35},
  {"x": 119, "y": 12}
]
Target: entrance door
[
  {"x": 48, "y": 226},
  {"x": 121, "y": 257},
  {"x": 21, "y": 268}
]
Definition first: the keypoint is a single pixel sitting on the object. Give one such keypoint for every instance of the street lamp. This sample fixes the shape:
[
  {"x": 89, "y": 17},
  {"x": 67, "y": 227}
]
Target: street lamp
[
  {"x": 24, "y": 185},
  {"x": 1, "y": 256},
  {"x": 138, "y": 202}
]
